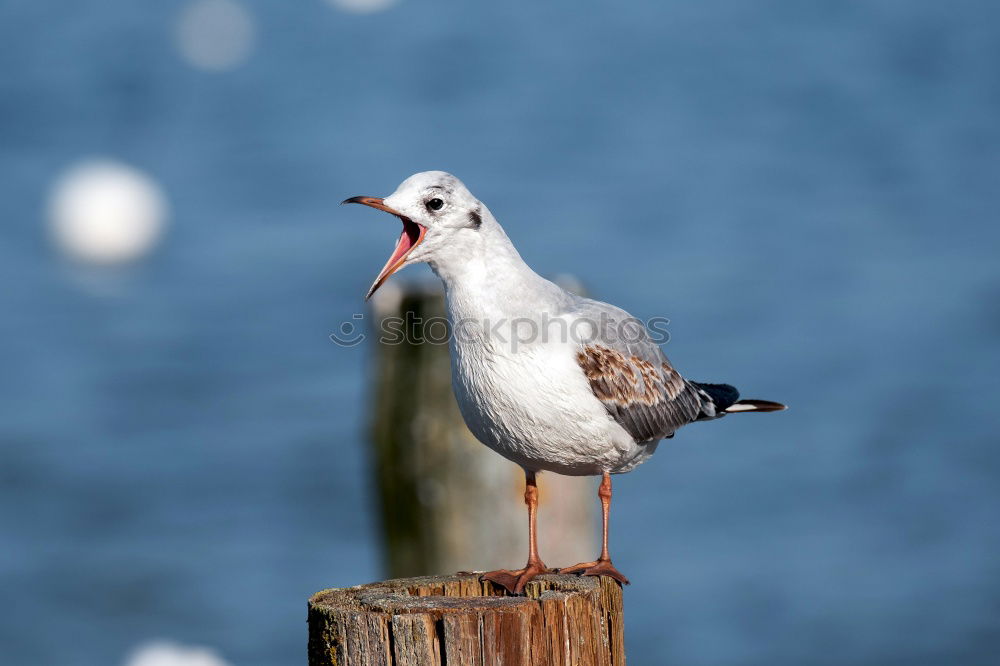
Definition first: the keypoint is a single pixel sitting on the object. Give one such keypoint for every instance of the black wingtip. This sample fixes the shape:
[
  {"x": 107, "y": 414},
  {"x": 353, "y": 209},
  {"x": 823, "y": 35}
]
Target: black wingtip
[{"x": 723, "y": 395}]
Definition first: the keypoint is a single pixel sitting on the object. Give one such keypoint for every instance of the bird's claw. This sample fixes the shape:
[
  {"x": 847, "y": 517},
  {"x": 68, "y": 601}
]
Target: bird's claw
[
  {"x": 596, "y": 568},
  {"x": 514, "y": 581}
]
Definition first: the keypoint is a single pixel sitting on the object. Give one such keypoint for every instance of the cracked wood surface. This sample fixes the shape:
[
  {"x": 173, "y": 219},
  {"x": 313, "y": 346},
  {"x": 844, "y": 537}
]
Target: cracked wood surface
[{"x": 460, "y": 620}]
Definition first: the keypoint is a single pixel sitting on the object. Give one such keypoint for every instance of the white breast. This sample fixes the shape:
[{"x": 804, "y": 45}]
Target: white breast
[{"x": 532, "y": 404}]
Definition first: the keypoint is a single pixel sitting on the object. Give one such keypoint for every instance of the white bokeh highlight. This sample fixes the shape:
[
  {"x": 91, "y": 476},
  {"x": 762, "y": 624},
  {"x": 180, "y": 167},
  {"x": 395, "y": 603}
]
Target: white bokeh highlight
[
  {"x": 104, "y": 212},
  {"x": 215, "y": 35},
  {"x": 166, "y": 653},
  {"x": 362, "y": 6}
]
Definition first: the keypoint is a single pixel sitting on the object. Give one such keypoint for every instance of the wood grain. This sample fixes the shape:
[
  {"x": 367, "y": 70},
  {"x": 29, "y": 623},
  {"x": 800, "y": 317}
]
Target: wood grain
[{"x": 461, "y": 621}]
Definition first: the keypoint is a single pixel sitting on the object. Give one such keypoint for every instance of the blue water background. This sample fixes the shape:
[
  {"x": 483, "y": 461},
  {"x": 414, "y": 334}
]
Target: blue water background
[{"x": 808, "y": 190}]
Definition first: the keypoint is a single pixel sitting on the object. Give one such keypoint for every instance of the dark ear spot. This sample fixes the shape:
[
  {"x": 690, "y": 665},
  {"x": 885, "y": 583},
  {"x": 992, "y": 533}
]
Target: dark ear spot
[{"x": 475, "y": 219}]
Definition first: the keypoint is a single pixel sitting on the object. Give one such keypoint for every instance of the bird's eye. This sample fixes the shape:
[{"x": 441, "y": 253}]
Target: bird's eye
[{"x": 435, "y": 204}]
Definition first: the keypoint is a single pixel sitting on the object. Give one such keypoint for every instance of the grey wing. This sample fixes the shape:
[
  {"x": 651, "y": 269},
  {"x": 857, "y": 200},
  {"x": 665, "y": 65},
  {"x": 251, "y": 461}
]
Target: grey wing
[{"x": 630, "y": 374}]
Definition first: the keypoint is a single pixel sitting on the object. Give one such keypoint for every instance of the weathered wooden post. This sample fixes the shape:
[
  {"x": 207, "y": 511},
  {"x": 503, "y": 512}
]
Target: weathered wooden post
[
  {"x": 448, "y": 503},
  {"x": 460, "y": 621}
]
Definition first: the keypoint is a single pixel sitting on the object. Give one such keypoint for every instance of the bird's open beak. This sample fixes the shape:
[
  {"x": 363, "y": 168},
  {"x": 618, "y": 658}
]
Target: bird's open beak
[{"x": 412, "y": 236}]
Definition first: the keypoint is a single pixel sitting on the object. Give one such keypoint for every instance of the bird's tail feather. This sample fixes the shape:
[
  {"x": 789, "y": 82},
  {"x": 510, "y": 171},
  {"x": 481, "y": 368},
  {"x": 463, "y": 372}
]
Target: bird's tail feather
[
  {"x": 755, "y": 406},
  {"x": 720, "y": 395}
]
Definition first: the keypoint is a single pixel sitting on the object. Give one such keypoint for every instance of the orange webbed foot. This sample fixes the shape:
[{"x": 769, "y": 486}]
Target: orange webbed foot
[
  {"x": 596, "y": 568},
  {"x": 514, "y": 581}
]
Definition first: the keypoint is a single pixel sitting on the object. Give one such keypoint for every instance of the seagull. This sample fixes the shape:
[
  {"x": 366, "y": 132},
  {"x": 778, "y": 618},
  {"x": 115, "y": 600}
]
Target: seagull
[{"x": 550, "y": 380}]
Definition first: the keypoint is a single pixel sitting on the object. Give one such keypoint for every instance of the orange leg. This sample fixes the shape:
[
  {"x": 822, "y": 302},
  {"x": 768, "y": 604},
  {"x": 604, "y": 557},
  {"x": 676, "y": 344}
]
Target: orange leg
[
  {"x": 514, "y": 581},
  {"x": 602, "y": 565}
]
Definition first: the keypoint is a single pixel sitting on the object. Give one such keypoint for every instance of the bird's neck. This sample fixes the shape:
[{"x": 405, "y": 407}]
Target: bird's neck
[{"x": 485, "y": 276}]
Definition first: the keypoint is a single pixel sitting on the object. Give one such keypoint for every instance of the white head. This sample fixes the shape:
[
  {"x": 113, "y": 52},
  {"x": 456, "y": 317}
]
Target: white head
[{"x": 438, "y": 214}]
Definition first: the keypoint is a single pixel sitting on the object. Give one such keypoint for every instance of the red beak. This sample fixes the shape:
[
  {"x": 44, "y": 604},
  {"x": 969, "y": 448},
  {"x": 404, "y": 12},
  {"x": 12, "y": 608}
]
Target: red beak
[{"x": 412, "y": 236}]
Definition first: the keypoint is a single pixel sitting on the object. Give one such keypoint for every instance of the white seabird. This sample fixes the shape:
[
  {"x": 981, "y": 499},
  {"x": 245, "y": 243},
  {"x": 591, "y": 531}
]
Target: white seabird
[{"x": 550, "y": 380}]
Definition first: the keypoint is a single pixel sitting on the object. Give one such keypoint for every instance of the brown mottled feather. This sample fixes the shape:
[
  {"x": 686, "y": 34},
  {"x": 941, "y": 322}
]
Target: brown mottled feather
[{"x": 649, "y": 401}]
